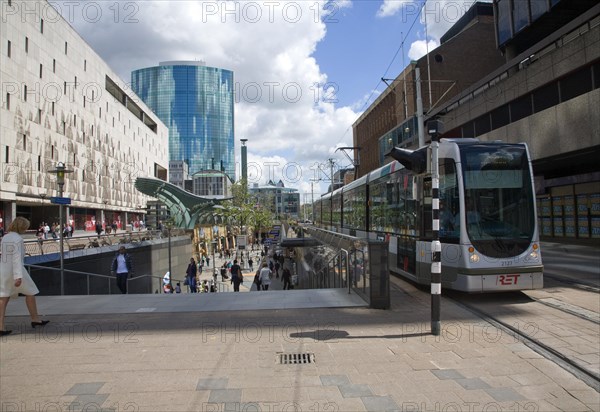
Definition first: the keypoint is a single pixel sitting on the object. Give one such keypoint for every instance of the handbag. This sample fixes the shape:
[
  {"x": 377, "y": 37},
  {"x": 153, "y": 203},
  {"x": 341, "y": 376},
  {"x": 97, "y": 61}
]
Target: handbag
[{"x": 186, "y": 282}]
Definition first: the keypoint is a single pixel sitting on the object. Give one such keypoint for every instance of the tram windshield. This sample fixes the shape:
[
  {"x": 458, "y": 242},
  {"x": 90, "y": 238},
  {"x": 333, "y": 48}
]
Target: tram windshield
[{"x": 499, "y": 201}]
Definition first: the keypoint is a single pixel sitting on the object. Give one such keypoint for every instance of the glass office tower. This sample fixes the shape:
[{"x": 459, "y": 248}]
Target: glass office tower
[{"x": 196, "y": 103}]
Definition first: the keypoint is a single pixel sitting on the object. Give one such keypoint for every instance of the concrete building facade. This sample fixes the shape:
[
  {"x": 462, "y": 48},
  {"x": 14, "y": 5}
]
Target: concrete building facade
[{"x": 62, "y": 103}]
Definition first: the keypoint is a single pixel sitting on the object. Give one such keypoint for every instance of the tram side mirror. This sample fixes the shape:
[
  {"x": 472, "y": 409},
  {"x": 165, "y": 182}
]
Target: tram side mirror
[{"x": 414, "y": 160}]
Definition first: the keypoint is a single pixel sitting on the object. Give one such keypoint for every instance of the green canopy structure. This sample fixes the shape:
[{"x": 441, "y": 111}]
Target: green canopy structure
[{"x": 185, "y": 208}]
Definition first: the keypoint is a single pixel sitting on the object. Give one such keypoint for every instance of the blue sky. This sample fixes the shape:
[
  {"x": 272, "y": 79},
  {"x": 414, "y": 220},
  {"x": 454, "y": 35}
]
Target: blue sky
[
  {"x": 284, "y": 48},
  {"x": 359, "y": 47}
]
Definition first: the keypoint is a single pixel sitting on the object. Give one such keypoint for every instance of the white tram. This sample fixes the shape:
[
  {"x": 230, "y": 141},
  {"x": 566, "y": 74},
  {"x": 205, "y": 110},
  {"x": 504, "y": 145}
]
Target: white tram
[{"x": 488, "y": 222}]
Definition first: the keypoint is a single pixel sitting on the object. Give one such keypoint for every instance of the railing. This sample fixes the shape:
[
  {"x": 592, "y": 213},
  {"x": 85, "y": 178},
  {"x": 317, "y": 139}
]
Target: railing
[
  {"x": 109, "y": 279},
  {"x": 35, "y": 247}
]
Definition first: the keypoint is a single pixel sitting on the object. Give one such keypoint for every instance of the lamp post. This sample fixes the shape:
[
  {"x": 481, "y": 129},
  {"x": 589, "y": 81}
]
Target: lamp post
[
  {"x": 214, "y": 246},
  {"x": 169, "y": 224},
  {"x": 43, "y": 197},
  {"x": 60, "y": 172}
]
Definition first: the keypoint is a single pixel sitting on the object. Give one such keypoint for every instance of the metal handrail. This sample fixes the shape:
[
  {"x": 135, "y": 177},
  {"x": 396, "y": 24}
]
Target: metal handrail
[
  {"x": 331, "y": 263},
  {"x": 88, "y": 274}
]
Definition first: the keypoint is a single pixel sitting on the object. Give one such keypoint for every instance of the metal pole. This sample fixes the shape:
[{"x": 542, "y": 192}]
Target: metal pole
[
  {"x": 420, "y": 126},
  {"x": 62, "y": 245},
  {"x": 436, "y": 246},
  {"x": 170, "y": 273}
]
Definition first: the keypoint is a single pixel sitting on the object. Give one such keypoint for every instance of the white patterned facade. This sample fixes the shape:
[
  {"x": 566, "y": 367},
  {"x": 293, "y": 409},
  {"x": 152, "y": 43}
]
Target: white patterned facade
[{"x": 62, "y": 103}]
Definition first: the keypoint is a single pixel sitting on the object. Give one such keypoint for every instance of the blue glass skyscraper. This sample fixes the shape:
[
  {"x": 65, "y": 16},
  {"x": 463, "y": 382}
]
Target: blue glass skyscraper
[{"x": 196, "y": 103}]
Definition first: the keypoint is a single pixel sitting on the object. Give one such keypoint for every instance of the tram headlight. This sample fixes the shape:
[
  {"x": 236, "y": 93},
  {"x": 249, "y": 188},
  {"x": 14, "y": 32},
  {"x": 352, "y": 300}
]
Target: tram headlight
[
  {"x": 534, "y": 253},
  {"x": 473, "y": 257}
]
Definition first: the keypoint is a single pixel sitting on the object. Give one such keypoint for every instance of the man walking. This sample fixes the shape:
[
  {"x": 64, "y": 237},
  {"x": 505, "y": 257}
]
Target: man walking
[
  {"x": 236, "y": 276},
  {"x": 122, "y": 267}
]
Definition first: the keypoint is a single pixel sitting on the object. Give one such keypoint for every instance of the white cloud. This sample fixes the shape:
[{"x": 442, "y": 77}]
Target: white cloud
[
  {"x": 420, "y": 48},
  {"x": 269, "y": 46},
  {"x": 391, "y": 7}
]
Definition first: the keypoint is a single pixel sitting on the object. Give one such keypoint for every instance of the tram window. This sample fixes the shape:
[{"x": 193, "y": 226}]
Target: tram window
[{"x": 449, "y": 203}]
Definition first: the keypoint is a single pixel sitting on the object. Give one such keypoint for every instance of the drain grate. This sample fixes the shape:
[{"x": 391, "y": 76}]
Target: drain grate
[{"x": 295, "y": 358}]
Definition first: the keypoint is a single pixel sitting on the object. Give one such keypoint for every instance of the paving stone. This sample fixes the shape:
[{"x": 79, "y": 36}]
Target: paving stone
[
  {"x": 225, "y": 396},
  {"x": 88, "y": 388},
  {"x": 447, "y": 374},
  {"x": 472, "y": 383},
  {"x": 334, "y": 380},
  {"x": 88, "y": 402},
  {"x": 504, "y": 394},
  {"x": 379, "y": 403},
  {"x": 212, "y": 383},
  {"x": 355, "y": 391}
]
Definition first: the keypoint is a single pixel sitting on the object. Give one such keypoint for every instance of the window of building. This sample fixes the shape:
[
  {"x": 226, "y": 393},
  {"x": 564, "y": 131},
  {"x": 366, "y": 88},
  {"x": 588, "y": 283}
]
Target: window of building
[
  {"x": 520, "y": 108},
  {"x": 100, "y": 112},
  {"x": 7, "y": 101},
  {"x": 75, "y": 120},
  {"x": 66, "y": 47},
  {"x": 39, "y": 163},
  {"x": 84, "y": 65},
  {"x": 40, "y": 116},
  {"x": 8, "y": 50},
  {"x": 52, "y": 152},
  {"x": 482, "y": 124},
  {"x": 545, "y": 97},
  {"x": 24, "y": 142},
  {"x": 52, "y": 108},
  {"x": 575, "y": 84},
  {"x": 75, "y": 81},
  {"x": 64, "y": 128},
  {"x": 504, "y": 26},
  {"x": 520, "y": 14},
  {"x": 25, "y": 92},
  {"x": 83, "y": 100},
  {"x": 41, "y": 25},
  {"x": 5, "y": 154},
  {"x": 41, "y": 70},
  {"x": 26, "y": 44},
  {"x": 538, "y": 7},
  {"x": 596, "y": 75},
  {"x": 468, "y": 130},
  {"x": 53, "y": 65},
  {"x": 500, "y": 117}
]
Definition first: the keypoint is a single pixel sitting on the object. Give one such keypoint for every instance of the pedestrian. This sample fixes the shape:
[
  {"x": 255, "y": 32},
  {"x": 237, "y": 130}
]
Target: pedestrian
[
  {"x": 122, "y": 267},
  {"x": 286, "y": 277},
  {"x": 207, "y": 261},
  {"x": 98, "y": 228},
  {"x": 178, "y": 288},
  {"x": 14, "y": 278},
  {"x": 265, "y": 276},
  {"x": 223, "y": 272},
  {"x": 190, "y": 275},
  {"x": 277, "y": 266},
  {"x": 251, "y": 263},
  {"x": 236, "y": 276}
]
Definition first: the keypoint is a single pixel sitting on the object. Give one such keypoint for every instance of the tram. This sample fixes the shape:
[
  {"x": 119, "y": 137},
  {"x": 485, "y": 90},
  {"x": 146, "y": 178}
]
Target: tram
[{"x": 488, "y": 223}]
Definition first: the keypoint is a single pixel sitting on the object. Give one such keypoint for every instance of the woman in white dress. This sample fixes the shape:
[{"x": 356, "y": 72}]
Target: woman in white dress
[{"x": 14, "y": 278}]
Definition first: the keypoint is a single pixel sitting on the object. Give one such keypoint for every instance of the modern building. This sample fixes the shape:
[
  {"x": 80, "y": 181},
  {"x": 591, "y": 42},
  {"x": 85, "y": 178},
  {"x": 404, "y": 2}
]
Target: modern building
[
  {"x": 281, "y": 201},
  {"x": 196, "y": 102},
  {"x": 467, "y": 53},
  {"x": 62, "y": 103},
  {"x": 179, "y": 172},
  {"x": 212, "y": 184}
]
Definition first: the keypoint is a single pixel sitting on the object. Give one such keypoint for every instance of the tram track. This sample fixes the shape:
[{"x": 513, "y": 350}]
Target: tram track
[{"x": 589, "y": 377}]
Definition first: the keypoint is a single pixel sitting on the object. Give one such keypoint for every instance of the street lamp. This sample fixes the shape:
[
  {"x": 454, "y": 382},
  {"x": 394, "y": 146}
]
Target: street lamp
[
  {"x": 60, "y": 172},
  {"x": 214, "y": 246}
]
